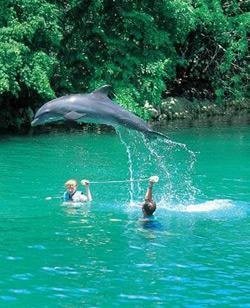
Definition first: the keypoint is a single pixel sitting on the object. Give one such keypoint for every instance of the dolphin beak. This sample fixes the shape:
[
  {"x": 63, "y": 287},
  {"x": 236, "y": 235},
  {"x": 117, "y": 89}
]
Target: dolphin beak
[{"x": 34, "y": 122}]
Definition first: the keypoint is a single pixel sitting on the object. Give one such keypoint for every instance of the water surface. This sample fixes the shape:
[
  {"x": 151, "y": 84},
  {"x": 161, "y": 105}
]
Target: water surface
[{"x": 100, "y": 254}]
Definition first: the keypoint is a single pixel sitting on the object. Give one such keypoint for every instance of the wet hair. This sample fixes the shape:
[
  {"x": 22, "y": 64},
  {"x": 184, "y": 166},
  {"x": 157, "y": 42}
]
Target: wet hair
[
  {"x": 71, "y": 182},
  {"x": 148, "y": 207}
]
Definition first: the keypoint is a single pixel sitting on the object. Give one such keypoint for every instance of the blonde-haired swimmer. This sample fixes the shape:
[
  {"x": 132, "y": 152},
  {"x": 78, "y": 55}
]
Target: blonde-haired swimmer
[{"x": 74, "y": 195}]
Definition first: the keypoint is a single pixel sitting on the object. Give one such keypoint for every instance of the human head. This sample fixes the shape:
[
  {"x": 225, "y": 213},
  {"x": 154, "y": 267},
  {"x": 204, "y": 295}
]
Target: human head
[
  {"x": 71, "y": 185},
  {"x": 148, "y": 207}
]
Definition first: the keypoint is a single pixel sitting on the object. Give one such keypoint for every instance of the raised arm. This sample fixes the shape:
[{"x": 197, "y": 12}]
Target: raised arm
[
  {"x": 149, "y": 192},
  {"x": 88, "y": 192}
]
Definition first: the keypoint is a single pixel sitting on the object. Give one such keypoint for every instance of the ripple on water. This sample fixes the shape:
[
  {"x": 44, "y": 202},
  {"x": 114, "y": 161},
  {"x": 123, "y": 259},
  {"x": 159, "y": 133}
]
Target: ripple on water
[
  {"x": 38, "y": 247},
  {"x": 24, "y": 276},
  {"x": 12, "y": 258},
  {"x": 66, "y": 292},
  {"x": 135, "y": 247},
  {"x": 144, "y": 265},
  {"x": 20, "y": 291},
  {"x": 140, "y": 297},
  {"x": 8, "y": 298},
  {"x": 66, "y": 270}
]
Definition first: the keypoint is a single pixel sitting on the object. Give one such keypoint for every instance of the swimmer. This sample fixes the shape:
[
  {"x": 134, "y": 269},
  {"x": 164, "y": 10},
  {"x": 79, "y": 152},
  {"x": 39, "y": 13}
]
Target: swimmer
[
  {"x": 149, "y": 206},
  {"x": 74, "y": 195}
]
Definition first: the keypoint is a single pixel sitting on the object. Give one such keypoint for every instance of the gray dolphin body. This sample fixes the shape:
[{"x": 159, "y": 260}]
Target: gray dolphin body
[{"x": 94, "y": 107}]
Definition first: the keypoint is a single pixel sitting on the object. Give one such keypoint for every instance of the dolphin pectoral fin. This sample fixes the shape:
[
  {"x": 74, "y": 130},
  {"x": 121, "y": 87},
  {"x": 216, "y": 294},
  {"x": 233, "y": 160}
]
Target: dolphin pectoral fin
[{"x": 73, "y": 115}]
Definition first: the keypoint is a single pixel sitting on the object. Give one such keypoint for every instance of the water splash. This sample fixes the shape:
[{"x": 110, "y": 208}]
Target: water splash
[
  {"x": 212, "y": 209},
  {"x": 172, "y": 161},
  {"x": 185, "y": 172},
  {"x": 168, "y": 187},
  {"x": 175, "y": 164},
  {"x": 130, "y": 164}
]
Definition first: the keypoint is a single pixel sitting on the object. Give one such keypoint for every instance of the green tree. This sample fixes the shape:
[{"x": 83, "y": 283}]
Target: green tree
[
  {"x": 145, "y": 49},
  {"x": 215, "y": 52},
  {"x": 29, "y": 43}
]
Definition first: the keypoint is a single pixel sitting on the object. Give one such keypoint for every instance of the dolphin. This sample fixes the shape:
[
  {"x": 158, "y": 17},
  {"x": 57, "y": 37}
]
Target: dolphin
[{"x": 95, "y": 107}]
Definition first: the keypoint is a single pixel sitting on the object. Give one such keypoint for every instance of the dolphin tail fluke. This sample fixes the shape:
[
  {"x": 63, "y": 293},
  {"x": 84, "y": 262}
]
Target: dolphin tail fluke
[{"x": 154, "y": 134}]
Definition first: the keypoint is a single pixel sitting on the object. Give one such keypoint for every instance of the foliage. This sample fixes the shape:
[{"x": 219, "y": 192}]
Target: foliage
[
  {"x": 215, "y": 52},
  {"x": 144, "y": 49},
  {"x": 29, "y": 41}
]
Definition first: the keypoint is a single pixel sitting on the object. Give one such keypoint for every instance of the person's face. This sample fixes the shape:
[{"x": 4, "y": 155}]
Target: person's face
[{"x": 71, "y": 188}]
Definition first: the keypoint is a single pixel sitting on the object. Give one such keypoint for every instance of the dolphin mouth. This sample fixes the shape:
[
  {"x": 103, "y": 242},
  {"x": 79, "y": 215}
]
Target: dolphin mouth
[
  {"x": 39, "y": 121},
  {"x": 34, "y": 122}
]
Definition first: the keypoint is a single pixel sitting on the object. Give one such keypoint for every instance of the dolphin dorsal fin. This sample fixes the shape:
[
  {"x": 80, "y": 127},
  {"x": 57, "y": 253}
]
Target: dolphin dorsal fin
[{"x": 103, "y": 91}]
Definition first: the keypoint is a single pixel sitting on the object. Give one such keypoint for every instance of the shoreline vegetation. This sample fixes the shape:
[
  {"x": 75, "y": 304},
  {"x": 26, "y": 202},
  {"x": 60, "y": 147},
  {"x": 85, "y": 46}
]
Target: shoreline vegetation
[
  {"x": 165, "y": 60},
  {"x": 203, "y": 114}
]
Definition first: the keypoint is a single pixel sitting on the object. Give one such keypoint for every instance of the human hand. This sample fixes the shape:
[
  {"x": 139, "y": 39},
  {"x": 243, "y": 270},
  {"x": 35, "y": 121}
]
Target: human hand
[
  {"x": 153, "y": 179},
  {"x": 85, "y": 182}
]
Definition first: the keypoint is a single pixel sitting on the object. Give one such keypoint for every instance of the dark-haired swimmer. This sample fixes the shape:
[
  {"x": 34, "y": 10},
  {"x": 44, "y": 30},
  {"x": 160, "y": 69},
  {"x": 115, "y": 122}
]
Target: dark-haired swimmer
[{"x": 149, "y": 205}]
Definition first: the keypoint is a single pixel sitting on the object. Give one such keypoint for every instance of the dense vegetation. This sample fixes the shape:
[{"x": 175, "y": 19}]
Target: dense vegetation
[{"x": 146, "y": 50}]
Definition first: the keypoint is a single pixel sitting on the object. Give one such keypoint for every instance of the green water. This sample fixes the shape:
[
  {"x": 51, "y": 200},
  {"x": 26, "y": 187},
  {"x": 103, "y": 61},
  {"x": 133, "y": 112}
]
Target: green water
[{"x": 196, "y": 253}]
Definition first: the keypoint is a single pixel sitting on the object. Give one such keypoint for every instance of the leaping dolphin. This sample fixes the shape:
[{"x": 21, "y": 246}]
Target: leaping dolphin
[{"x": 95, "y": 107}]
